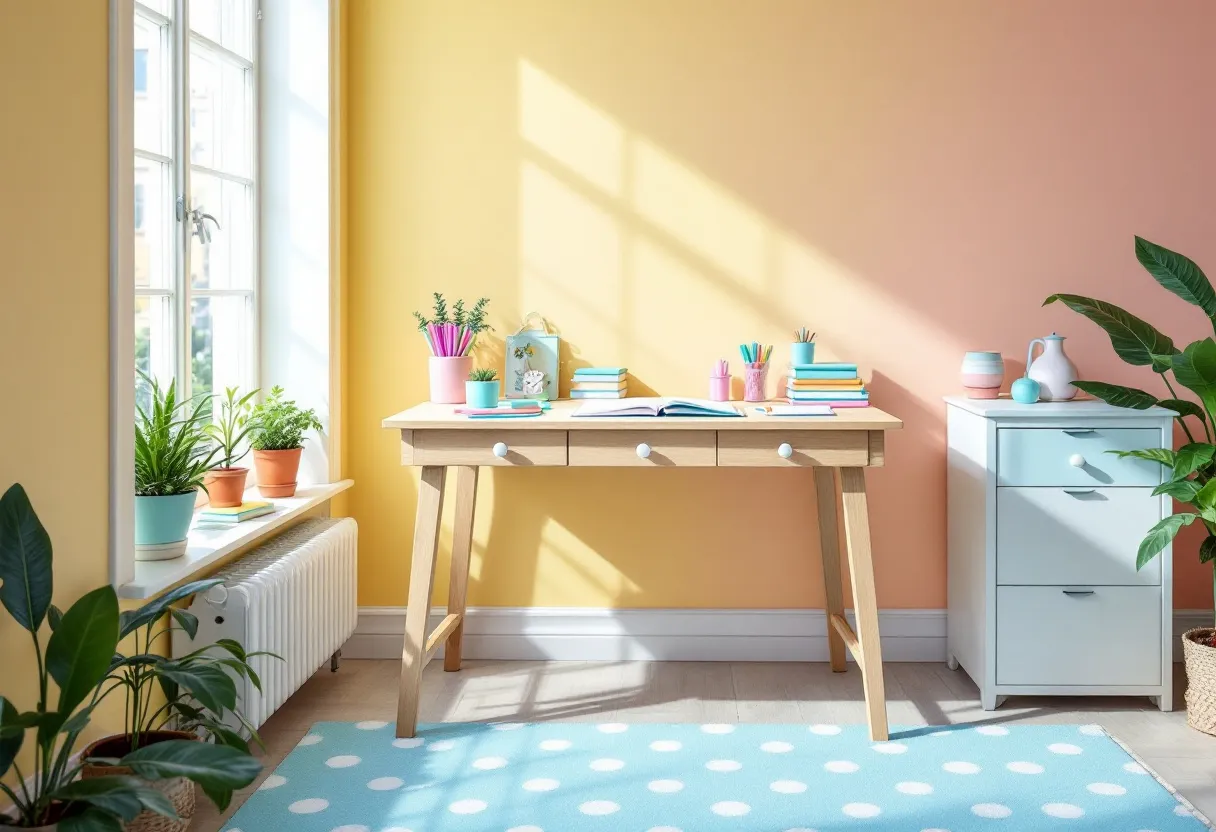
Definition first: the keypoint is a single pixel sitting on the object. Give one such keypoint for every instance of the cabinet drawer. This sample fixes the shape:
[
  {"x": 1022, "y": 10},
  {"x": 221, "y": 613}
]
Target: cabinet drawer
[
  {"x": 476, "y": 447},
  {"x": 1046, "y": 456},
  {"x": 643, "y": 448},
  {"x": 1109, "y": 637},
  {"x": 1074, "y": 535},
  {"x": 761, "y": 448}
]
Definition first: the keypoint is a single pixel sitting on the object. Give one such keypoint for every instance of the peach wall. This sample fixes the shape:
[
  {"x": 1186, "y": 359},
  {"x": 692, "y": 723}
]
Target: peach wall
[{"x": 664, "y": 179}]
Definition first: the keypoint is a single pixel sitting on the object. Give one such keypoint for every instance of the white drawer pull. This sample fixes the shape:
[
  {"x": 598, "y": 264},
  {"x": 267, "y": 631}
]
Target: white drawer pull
[
  {"x": 1076, "y": 461},
  {"x": 643, "y": 451},
  {"x": 1078, "y": 593},
  {"x": 1077, "y": 492},
  {"x": 500, "y": 449},
  {"x": 784, "y": 450}
]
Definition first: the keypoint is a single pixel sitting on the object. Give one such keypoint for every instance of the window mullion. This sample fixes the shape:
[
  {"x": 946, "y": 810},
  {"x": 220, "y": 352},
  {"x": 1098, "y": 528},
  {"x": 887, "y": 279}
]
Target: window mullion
[{"x": 181, "y": 175}]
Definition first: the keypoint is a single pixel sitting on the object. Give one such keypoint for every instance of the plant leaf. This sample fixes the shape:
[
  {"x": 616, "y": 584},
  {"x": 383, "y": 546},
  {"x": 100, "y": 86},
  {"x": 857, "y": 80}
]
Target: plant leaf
[
  {"x": 1163, "y": 455},
  {"x": 118, "y": 795},
  {"x": 155, "y": 608},
  {"x": 1191, "y": 457},
  {"x": 1134, "y": 340},
  {"x": 1195, "y": 369},
  {"x": 1183, "y": 407},
  {"x": 1160, "y": 536},
  {"x": 79, "y": 652},
  {"x": 90, "y": 820},
  {"x": 188, "y": 621},
  {"x": 26, "y": 580},
  {"x": 1207, "y": 549},
  {"x": 1118, "y": 395},
  {"x": 1177, "y": 273},
  {"x": 214, "y": 767},
  {"x": 1205, "y": 498},
  {"x": 210, "y": 685},
  {"x": 9, "y": 745},
  {"x": 1183, "y": 490}
]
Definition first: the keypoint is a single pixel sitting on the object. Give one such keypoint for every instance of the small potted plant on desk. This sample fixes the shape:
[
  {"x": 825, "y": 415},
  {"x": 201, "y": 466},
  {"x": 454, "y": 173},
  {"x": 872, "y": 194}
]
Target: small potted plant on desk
[
  {"x": 171, "y": 463},
  {"x": 278, "y": 441},
  {"x": 78, "y": 657},
  {"x": 481, "y": 390},
  {"x": 226, "y": 482}
]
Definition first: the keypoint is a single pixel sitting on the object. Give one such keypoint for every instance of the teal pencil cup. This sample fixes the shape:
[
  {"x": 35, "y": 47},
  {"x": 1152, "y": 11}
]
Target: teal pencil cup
[
  {"x": 481, "y": 394},
  {"x": 802, "y": 352}
]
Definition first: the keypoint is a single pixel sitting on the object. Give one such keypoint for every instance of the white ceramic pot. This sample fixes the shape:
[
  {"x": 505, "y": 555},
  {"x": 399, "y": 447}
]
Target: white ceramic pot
[{"x": 1054, "y": 372}]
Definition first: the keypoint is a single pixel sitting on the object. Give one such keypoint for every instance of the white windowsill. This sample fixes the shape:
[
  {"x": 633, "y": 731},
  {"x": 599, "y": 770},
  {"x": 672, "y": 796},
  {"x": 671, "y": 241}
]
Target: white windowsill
[{"x": 208, "y": 544}]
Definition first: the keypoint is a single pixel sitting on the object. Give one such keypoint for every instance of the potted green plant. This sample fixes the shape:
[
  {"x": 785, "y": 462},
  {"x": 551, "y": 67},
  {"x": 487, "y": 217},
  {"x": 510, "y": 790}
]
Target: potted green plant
[
  {"x": 1190, "y": 470},
  {"x": 226, "y": 481},
  {"x": 171, "y": 462},
  {"x": 278, "y": 441},
  {"x": 451, "y": 336},
  {"x": 77, "y": 658},
  {"x": 481, "y": 390}
]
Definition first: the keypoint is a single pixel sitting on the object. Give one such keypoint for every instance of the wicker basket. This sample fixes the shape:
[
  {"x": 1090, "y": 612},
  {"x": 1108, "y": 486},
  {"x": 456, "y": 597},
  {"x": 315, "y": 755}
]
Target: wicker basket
[
  {"x": 1200, "y": 679},
  {"x": 178, "y": 790}
]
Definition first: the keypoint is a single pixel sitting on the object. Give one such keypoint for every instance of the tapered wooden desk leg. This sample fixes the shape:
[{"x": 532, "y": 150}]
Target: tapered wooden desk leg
[
  {"x": 865, "y": 603},
  {"x": 462, "y": 546},
  {"x": 418, "y": 609},
  {"x": 829, "y": 547}
]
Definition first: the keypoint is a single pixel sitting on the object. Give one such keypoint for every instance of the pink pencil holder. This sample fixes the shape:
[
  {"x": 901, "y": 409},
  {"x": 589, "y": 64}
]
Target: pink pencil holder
[
  {"x": 719, "y": 388},
  {"x": 448, "y": 376},
  {"x": 754, "y": 383}
]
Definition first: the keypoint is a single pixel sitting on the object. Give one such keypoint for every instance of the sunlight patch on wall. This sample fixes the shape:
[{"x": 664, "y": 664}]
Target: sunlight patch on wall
[{"x": 560, "y": 573}]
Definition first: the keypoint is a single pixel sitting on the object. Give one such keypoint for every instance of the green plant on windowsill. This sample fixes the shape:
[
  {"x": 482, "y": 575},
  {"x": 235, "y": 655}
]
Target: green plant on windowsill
[
  {"x": 483, "y": 374},
  {"x": 237, "y": 421},
  {"x": 281, "y": 423},
  {"x": 172, "y": 456}
]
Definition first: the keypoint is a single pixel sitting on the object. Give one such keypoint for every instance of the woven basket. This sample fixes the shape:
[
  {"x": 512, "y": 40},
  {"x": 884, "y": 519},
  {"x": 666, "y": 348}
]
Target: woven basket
[
  {"x": 178, "y": 790},
  {"x": 1200, "y": 679}
]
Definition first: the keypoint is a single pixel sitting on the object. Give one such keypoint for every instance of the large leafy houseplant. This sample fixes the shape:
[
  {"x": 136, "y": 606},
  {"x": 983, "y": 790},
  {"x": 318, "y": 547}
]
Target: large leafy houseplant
[
  {"x": 278, "y": 441},
  {"x": 1190, "y": 470},
  {"x": 77, "y": 658}
]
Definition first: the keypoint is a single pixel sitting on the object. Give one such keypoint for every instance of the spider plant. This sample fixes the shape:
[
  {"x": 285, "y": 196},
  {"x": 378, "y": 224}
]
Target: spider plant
[
  {"x": 171, "y": 453},
  {"x": 237, "y": 420}
]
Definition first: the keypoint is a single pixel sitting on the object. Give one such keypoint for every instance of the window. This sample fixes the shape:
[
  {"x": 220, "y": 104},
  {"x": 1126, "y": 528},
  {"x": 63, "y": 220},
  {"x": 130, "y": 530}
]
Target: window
[{"x": 195, "y": 193}]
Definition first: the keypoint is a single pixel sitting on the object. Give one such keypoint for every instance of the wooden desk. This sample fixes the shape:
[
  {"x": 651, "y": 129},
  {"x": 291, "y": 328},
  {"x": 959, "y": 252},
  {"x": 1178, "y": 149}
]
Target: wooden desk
[{"x": 435, "y": 438}]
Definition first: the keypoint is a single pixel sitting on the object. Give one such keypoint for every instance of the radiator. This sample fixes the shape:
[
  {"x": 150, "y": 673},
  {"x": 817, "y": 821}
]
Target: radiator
[{"x": 293, "y": 596}]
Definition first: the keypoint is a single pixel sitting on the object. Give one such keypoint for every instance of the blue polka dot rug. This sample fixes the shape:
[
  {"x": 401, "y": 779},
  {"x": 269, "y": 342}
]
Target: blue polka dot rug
[{"x": 641, "y": 777}]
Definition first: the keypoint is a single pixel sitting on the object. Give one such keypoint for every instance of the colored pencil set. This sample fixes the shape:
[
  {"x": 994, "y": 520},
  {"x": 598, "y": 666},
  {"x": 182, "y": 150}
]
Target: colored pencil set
[
  {"x": 756, "y": 355},
  {"x": 449, "y": 340}
]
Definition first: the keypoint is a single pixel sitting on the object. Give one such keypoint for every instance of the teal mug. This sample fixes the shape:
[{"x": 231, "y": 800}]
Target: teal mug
[{"x": 802, "y": 352}]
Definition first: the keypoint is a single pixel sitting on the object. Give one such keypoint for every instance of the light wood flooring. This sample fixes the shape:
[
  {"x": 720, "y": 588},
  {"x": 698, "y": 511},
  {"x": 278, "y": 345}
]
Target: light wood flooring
[{"x": 918, "y": 694}]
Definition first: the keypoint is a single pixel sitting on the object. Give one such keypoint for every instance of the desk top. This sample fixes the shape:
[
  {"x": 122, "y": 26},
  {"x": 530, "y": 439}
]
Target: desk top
[{"x": 442, "y": 416}]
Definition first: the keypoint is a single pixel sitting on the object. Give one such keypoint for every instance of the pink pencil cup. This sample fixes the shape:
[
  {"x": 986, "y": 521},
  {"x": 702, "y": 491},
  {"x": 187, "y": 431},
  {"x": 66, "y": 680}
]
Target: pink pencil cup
[
  {"x": 448, "y": 376},
  {"x": 754, "y": 383},
  {"x": 719, "y": 388}
]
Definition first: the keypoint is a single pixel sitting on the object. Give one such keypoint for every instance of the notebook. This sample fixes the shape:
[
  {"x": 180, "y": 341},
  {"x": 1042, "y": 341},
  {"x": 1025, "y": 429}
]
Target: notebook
[
  {"x": 584, "y": 384},
  {"x": 579, "y": 393},
  {"x": 796, "y": 410},
  {"x": 235, "y": 514},
  {"x": 657, "y": 407}
]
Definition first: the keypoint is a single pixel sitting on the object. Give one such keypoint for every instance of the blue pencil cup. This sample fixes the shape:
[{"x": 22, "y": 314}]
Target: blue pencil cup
[
  {"x": 481, "y": 394},
  {"x": 802, "y": 352}
]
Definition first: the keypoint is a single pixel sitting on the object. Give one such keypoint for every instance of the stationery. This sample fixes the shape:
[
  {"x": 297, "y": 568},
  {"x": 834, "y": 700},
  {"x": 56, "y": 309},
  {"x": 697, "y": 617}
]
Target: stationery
[
  {"x": 236, "y": 514},
  {"x": 796, "y": 410},
  {"x": 657, "y": 407}
]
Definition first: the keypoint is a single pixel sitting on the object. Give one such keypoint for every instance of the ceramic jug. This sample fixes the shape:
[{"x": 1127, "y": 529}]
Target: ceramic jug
[{"x": 1054, "y": 372}]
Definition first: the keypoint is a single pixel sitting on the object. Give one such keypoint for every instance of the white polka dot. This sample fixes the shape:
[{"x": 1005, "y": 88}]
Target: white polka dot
[
  {"x": 308, "y": 806},
  {"x": 730, "y": 808},
  {"x": 441, "y": 745},
  {"x": 273, "y": 781},
  {"x": 555, "y": 745},
  {"x": 664, "y": 829},
  {"x": 385, "y": 784},
  {"x": 1062, "y": 810},
  {"x": 841, "y": 766},
  {"x": 343, "y": 761},
  {"x": 788, "y": 787},
  {"x": 889, "y": 747},
  {"x": 666, "y": 745},
  {"x": 914, "y": 787},
  {"x": 489, "y": 763},
  {"x": 599, "y": 807},
  {"x": 613, "y": 728},
  {"x": 941, "y": 733},
  {"x": 665, "y": 786},
  {"x": 408, "y": 742},
  {"x": 1020, "y": 767},
  {"x": 717, "y": 728},
  {"x": 861, "y": 810},
  {"x": 995, "y": 811},
  {"x": 310, "y": 739},
  {"x": 958, "y": 767},
  {"x": 1092, "y": 730},
  {"x": 370, "y": 725},
  {"x": 825, "y": 730},
  {"x": 1134, "y": 768},
  {"x": 723, "y": 765},
  {"x": 992, "y": 731},
  {"x": 525, "y": 829},
  {"x": 1181, "y": 811},
  {"x": 541, "y": 784},
  {"x": 776, "y": 747},
  {"x": 470, "y": 806},
  {"x": 1064, "y": 748},
  {"x": 607, "y": 764},
  {"x": 507, "y": 726},
  {"x": 1106, "y": 789},
  {"x": 351, "y": 827}
]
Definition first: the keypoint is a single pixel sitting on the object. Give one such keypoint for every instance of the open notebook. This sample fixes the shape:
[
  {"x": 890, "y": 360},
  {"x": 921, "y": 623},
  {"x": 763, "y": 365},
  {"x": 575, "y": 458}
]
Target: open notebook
[{"x": 656, "y": 407}]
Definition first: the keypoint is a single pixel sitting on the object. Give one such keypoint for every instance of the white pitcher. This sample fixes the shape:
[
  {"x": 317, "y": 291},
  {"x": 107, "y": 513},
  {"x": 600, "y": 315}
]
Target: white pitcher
[{"x": 1053, "y": 370}]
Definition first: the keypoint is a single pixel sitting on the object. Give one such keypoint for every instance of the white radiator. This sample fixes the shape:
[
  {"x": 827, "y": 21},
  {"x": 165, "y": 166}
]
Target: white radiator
[{"x": 293, "y": 596}]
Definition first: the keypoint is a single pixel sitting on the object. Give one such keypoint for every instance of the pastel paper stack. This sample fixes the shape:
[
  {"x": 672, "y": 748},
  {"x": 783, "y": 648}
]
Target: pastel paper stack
[
  {"x": 599, "y": 383},
  {"x": 835, "y": 385}
]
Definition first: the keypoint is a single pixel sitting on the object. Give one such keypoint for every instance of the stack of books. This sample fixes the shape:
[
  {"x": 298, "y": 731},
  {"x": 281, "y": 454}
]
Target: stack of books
[
  {"x": 835, "y": 385},
  {"x": 234, "y": 515},
  {"x": 599, "y": 383}
]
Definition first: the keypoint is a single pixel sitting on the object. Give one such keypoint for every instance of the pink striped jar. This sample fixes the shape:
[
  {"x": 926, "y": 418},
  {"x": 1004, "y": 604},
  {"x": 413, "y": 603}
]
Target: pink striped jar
[{"x": 983, "y": 372}]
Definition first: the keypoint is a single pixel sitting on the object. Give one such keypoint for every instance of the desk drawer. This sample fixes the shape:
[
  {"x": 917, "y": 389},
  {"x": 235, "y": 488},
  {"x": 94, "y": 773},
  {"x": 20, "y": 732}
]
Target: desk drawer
[
  {"x": 1045, "y": 456},
  {"x": 762, "y": 448},
  {"x": 643, "y": 448},
  {"x": 1109, "y": 636},
  {"x": 476, "y": 447}
]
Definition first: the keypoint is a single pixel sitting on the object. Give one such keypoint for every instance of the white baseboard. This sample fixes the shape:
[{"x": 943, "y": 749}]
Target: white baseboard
[{"x": 596, "y": 634}]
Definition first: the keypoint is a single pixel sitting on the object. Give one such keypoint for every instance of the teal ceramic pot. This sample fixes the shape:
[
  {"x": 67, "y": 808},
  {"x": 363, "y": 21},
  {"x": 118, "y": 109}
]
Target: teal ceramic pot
[
  {"x": 481, "y": 394},
  {"x": 160, "y": 520},
  {"x": 802, "y": 353}
]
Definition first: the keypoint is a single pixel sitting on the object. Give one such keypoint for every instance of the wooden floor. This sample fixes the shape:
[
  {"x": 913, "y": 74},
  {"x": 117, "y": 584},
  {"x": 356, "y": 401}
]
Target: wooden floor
[{"x": 918, "y": 694}]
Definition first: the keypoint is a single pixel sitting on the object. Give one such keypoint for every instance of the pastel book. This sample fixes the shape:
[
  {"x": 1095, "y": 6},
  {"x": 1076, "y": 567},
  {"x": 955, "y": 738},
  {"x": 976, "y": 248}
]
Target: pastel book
[
  {"x": 828, "y": 395},
  {"x": 823, "y": 371},
  {"x": 657, "y": 407},
  {"x": 236, "y": 514},
  {"x": 601, "y": 374}
]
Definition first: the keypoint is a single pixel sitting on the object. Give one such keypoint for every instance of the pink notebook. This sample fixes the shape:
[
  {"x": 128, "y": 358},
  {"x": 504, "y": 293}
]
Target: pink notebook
[{"x": 833, "y": 405}]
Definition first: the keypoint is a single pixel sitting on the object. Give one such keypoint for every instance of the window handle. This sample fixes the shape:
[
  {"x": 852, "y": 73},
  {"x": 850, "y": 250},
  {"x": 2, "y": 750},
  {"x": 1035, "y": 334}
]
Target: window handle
[{"x": 200, "y": 225}]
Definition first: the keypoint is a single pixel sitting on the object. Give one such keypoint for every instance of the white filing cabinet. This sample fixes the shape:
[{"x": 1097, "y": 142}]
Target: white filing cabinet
[{"x": 1043, "y": 527}]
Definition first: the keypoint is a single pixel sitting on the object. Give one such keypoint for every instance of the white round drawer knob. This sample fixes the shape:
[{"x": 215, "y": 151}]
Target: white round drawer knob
[
  {"x": 643, "y": 451},
  {"x": 1076, "y": 461},
  {"x": 785, "y": 450},
  {"x": 500, "y": 449}
]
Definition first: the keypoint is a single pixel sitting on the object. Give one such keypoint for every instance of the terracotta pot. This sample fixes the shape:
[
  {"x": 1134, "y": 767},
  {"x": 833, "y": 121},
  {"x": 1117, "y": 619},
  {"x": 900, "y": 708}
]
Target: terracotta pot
[
  {"x": 225, "y": 487},
  {"x": 178, "y": 790},
  {"x": 277, "y": 471}
]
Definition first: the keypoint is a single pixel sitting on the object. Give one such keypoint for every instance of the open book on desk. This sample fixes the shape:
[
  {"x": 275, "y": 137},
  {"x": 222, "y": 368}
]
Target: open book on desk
[{"x": 656, "y": 407}]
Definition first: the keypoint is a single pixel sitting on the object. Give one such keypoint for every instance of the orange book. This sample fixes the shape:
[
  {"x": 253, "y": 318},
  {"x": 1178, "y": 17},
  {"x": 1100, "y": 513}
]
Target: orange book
[{"x": 825, "y": 383}]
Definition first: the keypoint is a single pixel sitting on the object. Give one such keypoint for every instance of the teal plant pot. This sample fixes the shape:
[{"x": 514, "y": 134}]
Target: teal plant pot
[
  {"x": 802, "y": 353},
  {"x": 161, "y": 520},
  {"x": 481, "y": 394}
]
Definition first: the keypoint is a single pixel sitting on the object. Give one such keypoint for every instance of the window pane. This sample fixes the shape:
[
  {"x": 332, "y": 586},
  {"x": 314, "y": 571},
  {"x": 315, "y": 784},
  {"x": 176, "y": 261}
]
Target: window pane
[
  {"x": 153, "y": 96},
  {"x": 227, "y": 261},
  {"x": 164, "y": 7},
  {"x": 154, "y": 225},
  {"x": 154, "y": 340},
  {"x": 227, "y": 22},
  {"x": 220, "y": 105},
  {"x": 221, "y": 343}
]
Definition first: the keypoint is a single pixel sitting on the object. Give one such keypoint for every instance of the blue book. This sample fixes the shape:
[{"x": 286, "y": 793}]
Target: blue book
[
  {"x": 802, "y": 372},
  {"x": 826, "y": 395},
  {"x": 826, "y": 365},
  {"x": 599, "y": 372}
]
